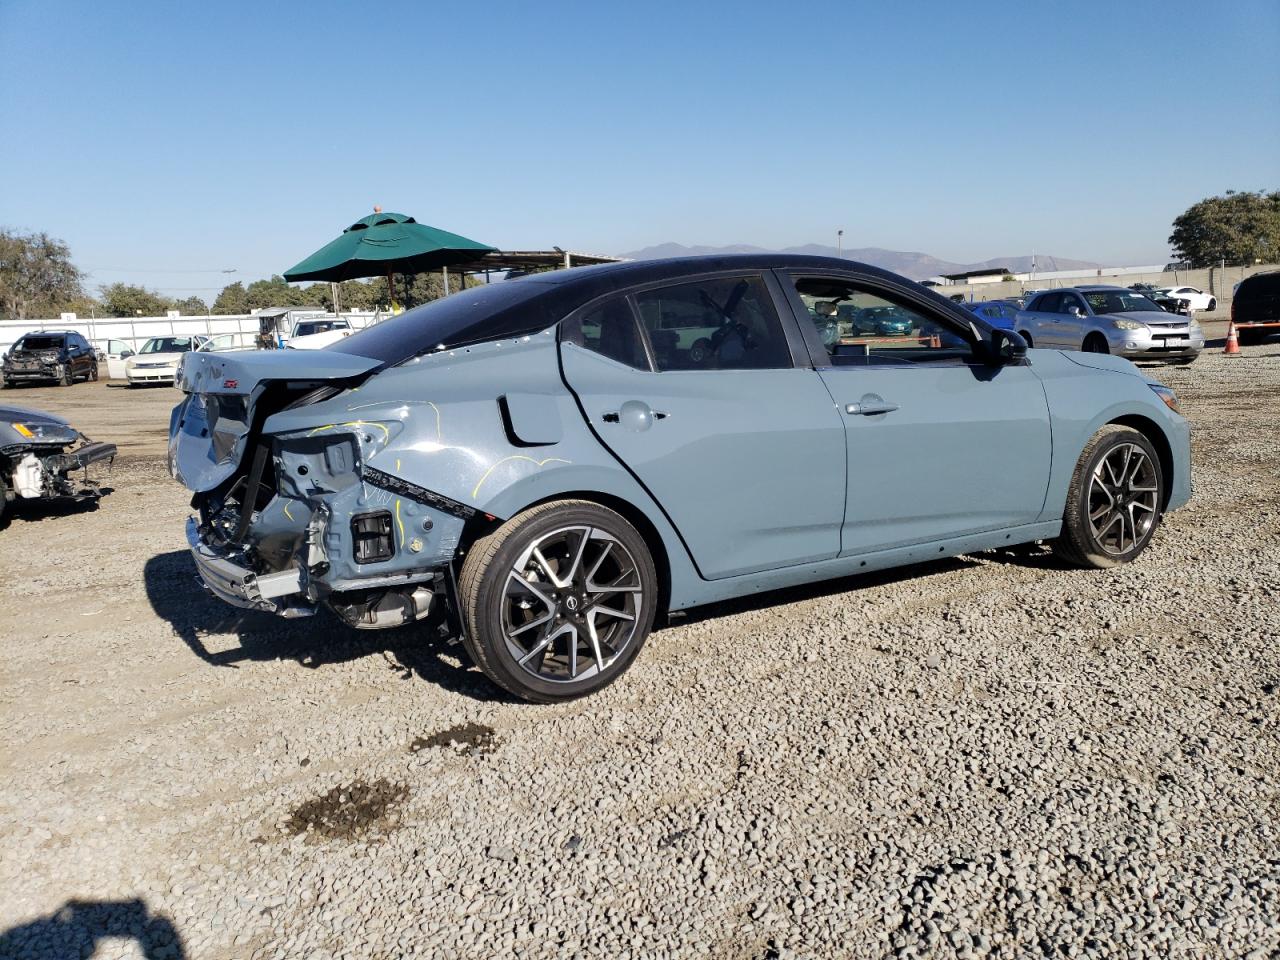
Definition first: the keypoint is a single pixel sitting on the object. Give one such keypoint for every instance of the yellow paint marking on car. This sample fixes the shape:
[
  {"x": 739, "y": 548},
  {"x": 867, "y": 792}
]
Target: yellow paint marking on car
[
  {"x": 353, "y": 423},
  {"x": 518, "y": 456},
  {"x": 399, "y": 521},
  {"x": 286, "y": 512}
]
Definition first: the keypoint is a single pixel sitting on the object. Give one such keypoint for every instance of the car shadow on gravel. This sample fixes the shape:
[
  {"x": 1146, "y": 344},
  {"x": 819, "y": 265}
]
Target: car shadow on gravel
[
  {"x": 37, "y": 510},
  {"x": 1029, "y": 555},
  {"x": 77, "y": 927},
  {"x": 421, "y": 650}
]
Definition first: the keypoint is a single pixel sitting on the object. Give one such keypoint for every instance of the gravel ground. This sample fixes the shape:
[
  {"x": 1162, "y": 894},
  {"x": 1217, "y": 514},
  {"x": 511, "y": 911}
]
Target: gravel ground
[{"x": 990, "y": 755}]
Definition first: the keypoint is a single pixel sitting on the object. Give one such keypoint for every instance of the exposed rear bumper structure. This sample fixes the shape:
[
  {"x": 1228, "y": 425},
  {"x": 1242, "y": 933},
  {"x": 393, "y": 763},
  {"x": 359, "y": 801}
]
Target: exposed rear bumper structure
[{"x": 240, "y": 586}]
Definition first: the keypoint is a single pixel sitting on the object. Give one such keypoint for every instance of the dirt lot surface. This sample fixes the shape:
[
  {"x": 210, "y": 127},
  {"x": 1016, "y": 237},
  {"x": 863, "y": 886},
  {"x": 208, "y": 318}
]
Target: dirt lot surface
[{"x": 990, "y": 755}]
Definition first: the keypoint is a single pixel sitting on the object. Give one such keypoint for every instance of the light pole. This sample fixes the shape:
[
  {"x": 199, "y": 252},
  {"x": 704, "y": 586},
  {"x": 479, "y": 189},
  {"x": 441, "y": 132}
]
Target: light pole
[{"x": 839, "y": 243}]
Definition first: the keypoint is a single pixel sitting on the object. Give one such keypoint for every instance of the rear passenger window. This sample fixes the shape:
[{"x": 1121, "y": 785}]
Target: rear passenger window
[
  {"x": 610, "y": 330},
  {"x": 1049, "y": 303},
  {"x": 728, "y": 324}
]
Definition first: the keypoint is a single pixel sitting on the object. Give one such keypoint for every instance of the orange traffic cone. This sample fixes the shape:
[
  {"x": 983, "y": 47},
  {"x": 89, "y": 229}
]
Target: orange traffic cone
[{"x": 1232, "y": 348}]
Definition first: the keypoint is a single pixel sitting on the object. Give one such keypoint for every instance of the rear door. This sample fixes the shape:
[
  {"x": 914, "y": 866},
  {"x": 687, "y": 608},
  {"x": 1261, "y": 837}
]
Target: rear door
[{"x": 740, "y": 446}]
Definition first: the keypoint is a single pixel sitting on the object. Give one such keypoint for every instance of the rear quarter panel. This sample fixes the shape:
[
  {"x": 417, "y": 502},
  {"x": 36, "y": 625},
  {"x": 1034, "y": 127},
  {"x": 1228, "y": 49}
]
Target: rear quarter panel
[{"x": 448, "y": 433}]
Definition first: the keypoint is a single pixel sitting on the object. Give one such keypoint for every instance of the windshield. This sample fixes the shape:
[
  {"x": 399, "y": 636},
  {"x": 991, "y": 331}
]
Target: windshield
[
  {"x": 40, "y": 343},
  {"x": 1119, "y": 301},
  {"x": 319, "y": 326},
  {"x": 167, "y": 345},
  {"x": 508, "y": 308}
]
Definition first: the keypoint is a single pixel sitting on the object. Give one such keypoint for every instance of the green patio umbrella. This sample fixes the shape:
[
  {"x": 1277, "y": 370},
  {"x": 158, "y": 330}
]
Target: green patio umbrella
[{"x": 384, "y": 244}]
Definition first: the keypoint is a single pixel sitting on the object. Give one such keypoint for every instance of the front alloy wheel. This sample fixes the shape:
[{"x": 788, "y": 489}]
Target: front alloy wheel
[
  {"x": 558, "y": 601},
  {"x": 1114, "y": 501}
]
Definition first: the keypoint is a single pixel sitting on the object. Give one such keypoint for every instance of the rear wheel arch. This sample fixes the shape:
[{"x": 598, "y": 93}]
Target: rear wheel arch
[{"x": 634, "y": 515}]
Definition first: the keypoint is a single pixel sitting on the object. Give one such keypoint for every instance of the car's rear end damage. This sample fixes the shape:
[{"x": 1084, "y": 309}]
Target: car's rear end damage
[{"x": 300, "y": 464}]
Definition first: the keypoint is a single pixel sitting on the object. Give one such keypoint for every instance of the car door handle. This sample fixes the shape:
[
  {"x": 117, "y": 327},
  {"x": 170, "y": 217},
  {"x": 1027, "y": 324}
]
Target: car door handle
[
  {"x": 634, "y": 415},
  {"x": 869, "y": 408}
]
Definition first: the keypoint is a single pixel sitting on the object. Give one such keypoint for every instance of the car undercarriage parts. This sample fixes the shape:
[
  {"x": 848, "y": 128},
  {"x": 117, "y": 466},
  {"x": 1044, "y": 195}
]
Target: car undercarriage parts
[{"x": 376, "y": 609}]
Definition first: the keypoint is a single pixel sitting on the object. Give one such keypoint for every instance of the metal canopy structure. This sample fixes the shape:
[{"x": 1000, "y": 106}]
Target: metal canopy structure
[{"x": 524, "y": 261}]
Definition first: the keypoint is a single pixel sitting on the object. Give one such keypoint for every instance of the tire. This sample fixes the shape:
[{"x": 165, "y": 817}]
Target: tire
[
  {"x": 93, "y": 373},
  {"x": 1095, "y": 343},
  {"x": 1090, "y": 538},
  {"x": 1251, "y": 337},
  {"x": 1213, "y": 304},
  {"x": 555, "y": 613},
  {"x": 1027, "y": 337},
  {"x": 68, "y": 376},
  {"x": 4, "y": 495}
]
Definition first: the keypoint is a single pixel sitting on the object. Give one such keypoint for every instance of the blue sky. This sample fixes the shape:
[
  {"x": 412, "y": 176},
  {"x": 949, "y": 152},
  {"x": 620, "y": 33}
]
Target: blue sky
[{"x": 162, "y": 140}]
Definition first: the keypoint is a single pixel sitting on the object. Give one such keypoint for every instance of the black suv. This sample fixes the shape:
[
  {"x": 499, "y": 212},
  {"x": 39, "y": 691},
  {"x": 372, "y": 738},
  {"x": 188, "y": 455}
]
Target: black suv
[
  {"x": 62, "y": 356},
  {"x": 1257, "y": 301}
]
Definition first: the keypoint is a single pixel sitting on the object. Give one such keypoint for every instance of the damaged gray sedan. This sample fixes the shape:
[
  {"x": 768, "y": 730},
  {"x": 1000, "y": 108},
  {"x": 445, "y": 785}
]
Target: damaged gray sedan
[
  {"x": 44, "y": 458},
  {"x": 554, "y": 461}
]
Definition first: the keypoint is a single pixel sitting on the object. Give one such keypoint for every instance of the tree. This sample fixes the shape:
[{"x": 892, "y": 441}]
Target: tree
[
  {"x": 232, "y": 299},
  {"x": 1240, "y": 228},
  {"x": 276, "y": 292},
  {"x": 36, "y": 275},
  {"x": 191, "y": 306},
  {"x": 127, "y": 300}
]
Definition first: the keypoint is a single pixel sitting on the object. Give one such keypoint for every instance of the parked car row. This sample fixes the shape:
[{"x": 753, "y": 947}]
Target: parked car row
[{"x": 1126, "y": 322}]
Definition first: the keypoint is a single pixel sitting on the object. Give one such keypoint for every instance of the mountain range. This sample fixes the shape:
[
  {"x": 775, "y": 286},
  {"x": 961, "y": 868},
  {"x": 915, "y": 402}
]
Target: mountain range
[{"x": 917, "y": 266}]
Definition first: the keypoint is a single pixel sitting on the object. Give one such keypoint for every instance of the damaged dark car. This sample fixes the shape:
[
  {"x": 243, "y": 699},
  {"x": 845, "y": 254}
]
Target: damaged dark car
[
  {"x": 44, "y": 458},
  {"x": 49, "y": 356}
]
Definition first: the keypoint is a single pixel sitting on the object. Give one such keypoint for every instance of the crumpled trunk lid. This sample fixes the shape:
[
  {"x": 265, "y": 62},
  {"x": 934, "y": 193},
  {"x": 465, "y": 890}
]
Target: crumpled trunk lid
[{"x": 228, "y": 396}]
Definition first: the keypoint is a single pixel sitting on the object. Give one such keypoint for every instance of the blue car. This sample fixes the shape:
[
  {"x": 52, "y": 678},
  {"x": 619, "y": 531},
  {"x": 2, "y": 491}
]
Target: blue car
[
  {"x": 998, "y": 313},
  {"x": 545, "y": 466}
]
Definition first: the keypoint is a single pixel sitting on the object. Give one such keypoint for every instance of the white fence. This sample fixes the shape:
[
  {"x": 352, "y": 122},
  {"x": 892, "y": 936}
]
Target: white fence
[{"x": 135, "y": 331}]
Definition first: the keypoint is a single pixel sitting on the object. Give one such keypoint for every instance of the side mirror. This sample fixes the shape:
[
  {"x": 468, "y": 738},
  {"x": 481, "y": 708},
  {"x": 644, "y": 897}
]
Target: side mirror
[
  {"x": 126, "y": 354},
  {"x": 1006, "y": 347}
]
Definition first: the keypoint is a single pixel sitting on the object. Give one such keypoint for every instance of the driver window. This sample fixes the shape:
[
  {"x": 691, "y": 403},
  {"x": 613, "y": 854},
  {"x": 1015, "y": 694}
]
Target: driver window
[
  {"x": 858, "y": 326},
  {"x": 727, "y": 324}
]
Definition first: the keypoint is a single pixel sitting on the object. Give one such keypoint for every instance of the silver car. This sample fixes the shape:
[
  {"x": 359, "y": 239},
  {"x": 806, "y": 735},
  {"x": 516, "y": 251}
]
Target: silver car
[{"x": 1098, "y": 319}]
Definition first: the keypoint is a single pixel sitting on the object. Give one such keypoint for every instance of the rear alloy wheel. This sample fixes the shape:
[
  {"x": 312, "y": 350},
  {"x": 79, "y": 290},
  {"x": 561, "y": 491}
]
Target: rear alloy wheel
[
  {"x": 1213, "y": 304},
  {"x": 558, "y": 601},
  {"x": 93, "y": 374},
  {"x": 1114, "y": 501},
  {"x": 1096, "y": 343}
]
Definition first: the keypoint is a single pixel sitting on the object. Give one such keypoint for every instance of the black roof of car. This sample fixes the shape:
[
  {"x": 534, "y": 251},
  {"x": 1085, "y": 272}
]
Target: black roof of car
[
  {"x": 630, "y": 272},
  {"x": 538, "y": 301}
]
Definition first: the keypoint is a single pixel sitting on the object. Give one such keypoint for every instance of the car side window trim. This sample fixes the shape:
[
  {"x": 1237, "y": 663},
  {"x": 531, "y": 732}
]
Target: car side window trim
[
  {"x": 795, "y": 344},
  {"x": 569, "y": 326}
]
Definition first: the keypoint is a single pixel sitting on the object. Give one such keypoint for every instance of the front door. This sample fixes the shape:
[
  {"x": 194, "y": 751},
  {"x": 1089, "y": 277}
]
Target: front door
[
  {"x": 740, "y": 447},
  {"x": 118, "y": 351},
  {"x": 939, "y": 445}
]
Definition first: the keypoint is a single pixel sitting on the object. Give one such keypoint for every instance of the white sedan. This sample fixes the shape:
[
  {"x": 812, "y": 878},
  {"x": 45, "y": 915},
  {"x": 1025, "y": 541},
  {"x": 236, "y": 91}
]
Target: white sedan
[
  {"x": 1196, "y": 299},
  {"x": 157, "y": 361}
]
